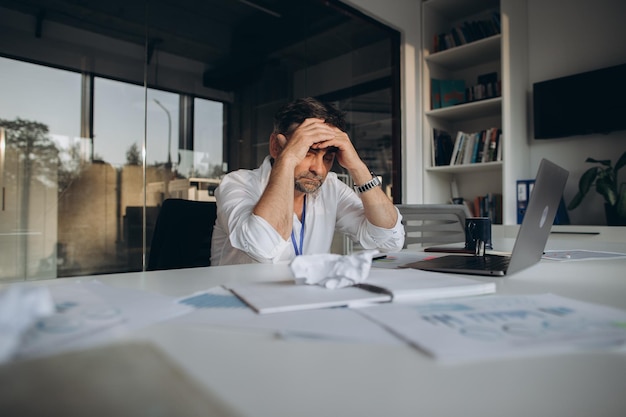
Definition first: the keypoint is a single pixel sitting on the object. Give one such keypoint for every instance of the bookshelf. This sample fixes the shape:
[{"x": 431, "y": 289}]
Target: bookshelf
[{"x": 498, "y": 51}]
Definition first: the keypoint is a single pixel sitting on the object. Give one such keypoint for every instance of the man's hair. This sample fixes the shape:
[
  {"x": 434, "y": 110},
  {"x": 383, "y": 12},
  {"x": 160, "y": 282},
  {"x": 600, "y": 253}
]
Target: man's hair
[{"x": 304, "y": 108}]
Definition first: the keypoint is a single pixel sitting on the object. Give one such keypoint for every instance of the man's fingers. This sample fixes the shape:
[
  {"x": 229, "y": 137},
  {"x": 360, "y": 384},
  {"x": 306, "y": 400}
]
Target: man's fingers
[{"x": 282, "y": 140}]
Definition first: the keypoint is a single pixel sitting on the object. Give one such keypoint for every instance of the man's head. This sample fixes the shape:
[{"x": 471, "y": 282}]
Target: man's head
[
  {"x": 311, "y": 172},
  {"x": 293, "y": 114}
]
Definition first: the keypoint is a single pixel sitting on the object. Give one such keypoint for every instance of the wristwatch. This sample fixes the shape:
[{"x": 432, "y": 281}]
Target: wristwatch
[{"x": 374, "y": 182}]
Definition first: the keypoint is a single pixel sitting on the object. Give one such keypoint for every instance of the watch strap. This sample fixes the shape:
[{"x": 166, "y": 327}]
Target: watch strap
[{"x": 373, "y": 183}]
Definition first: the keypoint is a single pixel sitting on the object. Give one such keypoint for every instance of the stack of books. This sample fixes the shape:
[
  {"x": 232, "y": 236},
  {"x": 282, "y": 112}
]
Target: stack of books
[
  {"x": 477, "y": 147},
  {"x": 466, "y": 32}
]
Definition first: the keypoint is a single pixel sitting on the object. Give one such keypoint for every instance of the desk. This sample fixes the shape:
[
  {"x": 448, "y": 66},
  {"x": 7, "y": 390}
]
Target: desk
[{"x": 259, "y": 375}]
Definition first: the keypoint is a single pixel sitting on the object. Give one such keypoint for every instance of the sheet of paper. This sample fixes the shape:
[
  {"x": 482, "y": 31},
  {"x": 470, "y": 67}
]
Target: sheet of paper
[
  {"x": 414, "y": 285},
  {"x": 79, "y": 313},
  {"x": 220, "y": 307},
  {"x": 141, "y": 308},
  {"x": 91, "y": 312},
  {"x": 580, "y": 255},
  {"x": 496, "y": 326},
  {"x": 395, "y": 260}
]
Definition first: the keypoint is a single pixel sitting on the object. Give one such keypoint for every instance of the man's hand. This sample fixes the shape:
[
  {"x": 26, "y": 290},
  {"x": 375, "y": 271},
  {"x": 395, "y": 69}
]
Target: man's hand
[
  {"x": 379, "y": 209},
  {"x": 347, "y": 155},
  {"x": 304, "y": 137}
]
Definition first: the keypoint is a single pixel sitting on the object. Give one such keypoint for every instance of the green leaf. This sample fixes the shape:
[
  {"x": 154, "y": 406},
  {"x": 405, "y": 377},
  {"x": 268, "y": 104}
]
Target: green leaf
[
  {"x": 620, "y": 207},
  {"x": 605, "y": 162},
  {"x": 587, "y": 180},
  {"x": 604, "y": 186},
  {"x": 578, "y": 198},
  {"x": 620, "y": 162}
]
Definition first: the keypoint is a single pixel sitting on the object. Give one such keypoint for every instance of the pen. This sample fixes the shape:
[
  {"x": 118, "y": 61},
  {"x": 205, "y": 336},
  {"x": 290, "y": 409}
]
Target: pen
[{"x": 379, "y": 257}]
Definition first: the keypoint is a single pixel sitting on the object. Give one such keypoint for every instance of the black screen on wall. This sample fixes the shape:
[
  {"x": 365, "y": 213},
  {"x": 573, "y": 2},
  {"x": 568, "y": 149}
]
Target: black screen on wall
[{"x": 580, "y": 104}]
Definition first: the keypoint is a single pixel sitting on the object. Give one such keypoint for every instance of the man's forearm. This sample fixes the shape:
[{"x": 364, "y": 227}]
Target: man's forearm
[
  {"x": 276, "y": 202},
  {"x": 379, "y": 209}
]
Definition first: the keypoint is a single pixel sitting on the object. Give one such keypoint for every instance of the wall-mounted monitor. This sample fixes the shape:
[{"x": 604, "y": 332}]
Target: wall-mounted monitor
[{"x": 586, "y": 103}]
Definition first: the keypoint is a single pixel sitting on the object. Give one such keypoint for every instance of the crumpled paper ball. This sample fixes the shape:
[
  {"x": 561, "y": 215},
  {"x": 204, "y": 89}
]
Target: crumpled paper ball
[{"x": 332, "y": 270}]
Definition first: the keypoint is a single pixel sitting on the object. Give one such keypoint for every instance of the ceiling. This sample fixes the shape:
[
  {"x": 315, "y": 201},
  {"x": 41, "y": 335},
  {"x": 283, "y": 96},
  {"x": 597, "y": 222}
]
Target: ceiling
[{"x": 231, "y": 38}]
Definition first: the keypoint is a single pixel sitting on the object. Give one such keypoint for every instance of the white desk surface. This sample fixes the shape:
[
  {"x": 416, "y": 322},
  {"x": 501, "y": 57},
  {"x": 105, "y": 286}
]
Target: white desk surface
[{"x": 260, "y": 375}]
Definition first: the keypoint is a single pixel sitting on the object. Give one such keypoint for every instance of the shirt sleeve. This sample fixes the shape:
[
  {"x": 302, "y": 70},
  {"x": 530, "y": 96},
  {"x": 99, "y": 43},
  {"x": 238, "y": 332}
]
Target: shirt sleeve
[
  {"x": 352, "y": 221},
  {"x": 247, "y": 232}
]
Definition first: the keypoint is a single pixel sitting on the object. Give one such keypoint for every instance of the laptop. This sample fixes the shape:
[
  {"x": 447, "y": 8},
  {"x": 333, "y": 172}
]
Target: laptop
[{"x": 531, "y": 238}]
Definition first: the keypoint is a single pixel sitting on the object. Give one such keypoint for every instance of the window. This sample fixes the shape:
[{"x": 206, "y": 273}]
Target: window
[
  {"x": 40, "y": 117},
  {"x": 75, "y": 206},
  {"x": 123, "y": 104}
]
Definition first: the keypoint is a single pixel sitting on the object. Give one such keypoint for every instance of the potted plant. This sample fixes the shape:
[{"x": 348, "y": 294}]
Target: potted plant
[{"x": 604, "y": 178}]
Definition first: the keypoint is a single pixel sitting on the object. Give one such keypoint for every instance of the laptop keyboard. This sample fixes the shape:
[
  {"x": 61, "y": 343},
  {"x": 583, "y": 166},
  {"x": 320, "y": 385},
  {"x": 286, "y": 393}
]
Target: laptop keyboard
[{"x": 488, "y": 262}]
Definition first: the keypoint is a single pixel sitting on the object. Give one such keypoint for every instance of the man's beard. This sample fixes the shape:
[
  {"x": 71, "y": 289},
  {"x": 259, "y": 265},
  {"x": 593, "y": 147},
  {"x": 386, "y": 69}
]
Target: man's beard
[{"x": 308, "y": 183}]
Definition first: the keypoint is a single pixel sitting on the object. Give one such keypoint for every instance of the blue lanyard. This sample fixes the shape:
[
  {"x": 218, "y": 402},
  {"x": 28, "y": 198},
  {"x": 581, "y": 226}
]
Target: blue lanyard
[{"x": 293, "y": 238}]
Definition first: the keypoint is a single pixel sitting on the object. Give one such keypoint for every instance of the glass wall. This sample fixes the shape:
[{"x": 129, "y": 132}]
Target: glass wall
[
  {"x": 75, "y": 206},
  {"x": 40, "y": 118},
  {"x": 110, "y": 108}
]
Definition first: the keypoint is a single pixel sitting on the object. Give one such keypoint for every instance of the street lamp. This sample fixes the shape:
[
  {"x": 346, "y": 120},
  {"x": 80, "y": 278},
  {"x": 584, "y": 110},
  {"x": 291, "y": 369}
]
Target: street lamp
[
  {"x": 169, "y": 132},
  {"x": 168, "y": 164}
]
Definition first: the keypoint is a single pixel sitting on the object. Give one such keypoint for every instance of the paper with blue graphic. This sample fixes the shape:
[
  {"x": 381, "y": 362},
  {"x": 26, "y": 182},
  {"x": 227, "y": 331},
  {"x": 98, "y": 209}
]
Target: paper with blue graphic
[
  {"x": 89, "y": 313},
  {"x": 498, "y": 326}
]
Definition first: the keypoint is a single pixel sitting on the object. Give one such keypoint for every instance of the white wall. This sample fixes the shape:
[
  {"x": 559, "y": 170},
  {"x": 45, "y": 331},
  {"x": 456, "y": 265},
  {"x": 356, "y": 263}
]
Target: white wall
[
  {"x": 568, "y": 37},
  {"x": 565, "y": 37}
]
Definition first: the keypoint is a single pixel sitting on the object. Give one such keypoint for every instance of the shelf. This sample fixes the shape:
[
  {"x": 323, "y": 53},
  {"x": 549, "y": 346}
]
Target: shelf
[
  {"x": 503, "y": 54},
  {"x": 466, "y": 168},
  {"x": 468, "y": 55},
  {"x": 466, "y": 111},
  {"x": 457, "y": 9}
]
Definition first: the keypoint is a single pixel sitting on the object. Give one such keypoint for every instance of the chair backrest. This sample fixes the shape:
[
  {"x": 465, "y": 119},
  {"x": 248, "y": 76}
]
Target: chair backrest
[
  {"x": 182, "y": 235},
  {"x": 433, "y": 223}
]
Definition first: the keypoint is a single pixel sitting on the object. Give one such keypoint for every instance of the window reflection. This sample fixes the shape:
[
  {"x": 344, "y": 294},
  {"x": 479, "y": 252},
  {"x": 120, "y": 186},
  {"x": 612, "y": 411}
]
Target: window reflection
[
  {"x": 75, "y": 206},
  {"x": 209, "y": 137},
  {"x": 40, "y": 119}
]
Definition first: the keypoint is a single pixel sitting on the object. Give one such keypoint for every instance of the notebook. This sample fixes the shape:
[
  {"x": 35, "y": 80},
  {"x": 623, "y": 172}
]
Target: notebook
[
  {"x": 381, "y": 286},
  {"x": 531, "y": 238}
]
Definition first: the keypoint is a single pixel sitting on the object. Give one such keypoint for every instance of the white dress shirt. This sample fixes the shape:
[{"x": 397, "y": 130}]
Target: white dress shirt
[{"x": 239, "y": 236}]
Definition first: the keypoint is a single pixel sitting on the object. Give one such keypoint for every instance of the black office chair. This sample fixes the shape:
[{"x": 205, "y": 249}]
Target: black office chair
[{"x": 182, "y": 235}]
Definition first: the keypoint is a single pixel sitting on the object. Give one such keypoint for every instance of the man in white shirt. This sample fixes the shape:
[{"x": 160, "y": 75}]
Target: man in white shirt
[{"x": 292, "y": 204}]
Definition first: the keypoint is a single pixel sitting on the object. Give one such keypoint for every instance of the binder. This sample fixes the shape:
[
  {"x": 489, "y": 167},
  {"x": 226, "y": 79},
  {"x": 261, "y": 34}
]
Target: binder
[{"x": 524, "y": 189}]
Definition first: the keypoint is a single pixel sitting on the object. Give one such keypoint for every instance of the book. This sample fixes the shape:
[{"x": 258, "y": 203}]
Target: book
[
  {"x": 461, "y": 146},
  {"x": 499, "y": 146},
  {"x": 489, "y": 205},
  {"x": 435, "y": 94},
  {"x": 381, "y": 286},
  {"x": 468, "y": 148},
  {"x": 477, "y": 147},
  {"x": 442, "y": 147},
  {"x": 467, "y": 32},
  {"x": 489, "y": 137},
  {"x": 451, "y": 92},
  {"x": 457, "y": 145}
]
